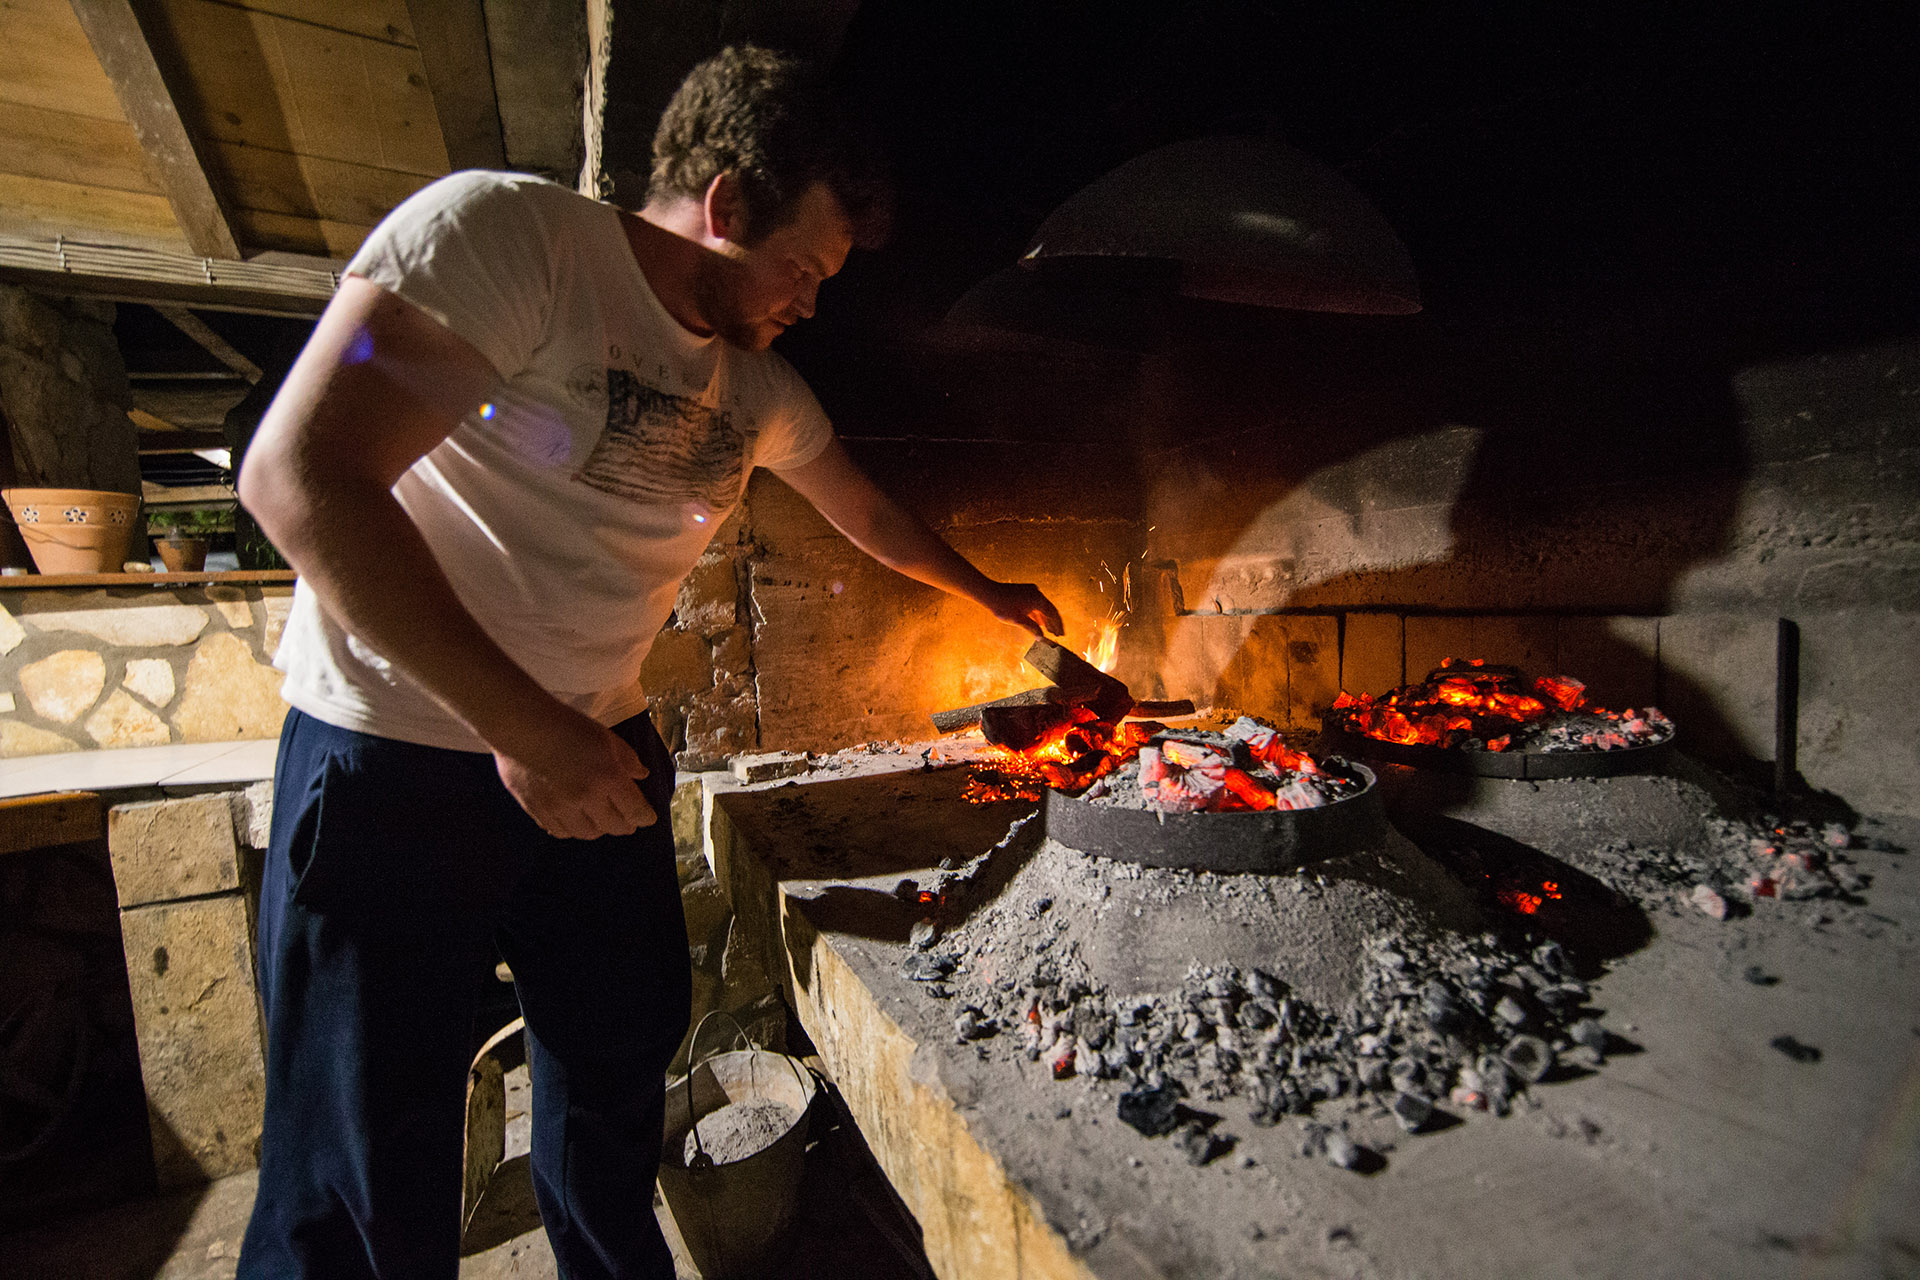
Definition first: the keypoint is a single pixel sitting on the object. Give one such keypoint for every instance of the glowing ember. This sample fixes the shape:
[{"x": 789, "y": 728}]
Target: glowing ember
[
  {"x": 1246, "y": 768},
  {"x": 1072, "y": 757},
  {"x": 1526, "y": 903},
  {"x": 1468, "y": 704}
]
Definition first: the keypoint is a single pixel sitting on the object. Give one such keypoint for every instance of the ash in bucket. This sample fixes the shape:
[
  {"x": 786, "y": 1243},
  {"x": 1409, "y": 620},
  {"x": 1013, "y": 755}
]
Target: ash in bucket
[{"x": 739, "y": 1130}]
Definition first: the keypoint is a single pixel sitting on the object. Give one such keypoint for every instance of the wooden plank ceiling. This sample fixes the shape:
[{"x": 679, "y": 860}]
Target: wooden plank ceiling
[{"x": 224, "y": 128}]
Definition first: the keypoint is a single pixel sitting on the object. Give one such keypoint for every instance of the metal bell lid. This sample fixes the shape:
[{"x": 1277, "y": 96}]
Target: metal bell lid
[{"x": 1248, "y": 220}]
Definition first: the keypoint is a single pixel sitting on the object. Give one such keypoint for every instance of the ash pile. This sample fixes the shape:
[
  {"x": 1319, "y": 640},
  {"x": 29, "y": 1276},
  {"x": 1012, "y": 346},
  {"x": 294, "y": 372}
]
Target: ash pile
[
  {"x": 1761, "y": 866},
  {"x": 1195, "y": 1002},
  {"x": 1685, "y": 839}
]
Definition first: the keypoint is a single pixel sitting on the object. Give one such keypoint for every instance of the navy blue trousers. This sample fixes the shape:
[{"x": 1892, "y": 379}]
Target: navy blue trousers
[{"x": 396, "y": 875}]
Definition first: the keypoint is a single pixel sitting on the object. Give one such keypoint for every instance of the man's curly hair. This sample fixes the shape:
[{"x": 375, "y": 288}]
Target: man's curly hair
[{"x": 765, "y": 117}]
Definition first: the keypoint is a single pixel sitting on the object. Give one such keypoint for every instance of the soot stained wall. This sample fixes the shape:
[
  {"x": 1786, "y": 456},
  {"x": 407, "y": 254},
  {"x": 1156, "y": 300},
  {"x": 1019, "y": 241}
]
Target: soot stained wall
[{"x": 1666, "y": 389}]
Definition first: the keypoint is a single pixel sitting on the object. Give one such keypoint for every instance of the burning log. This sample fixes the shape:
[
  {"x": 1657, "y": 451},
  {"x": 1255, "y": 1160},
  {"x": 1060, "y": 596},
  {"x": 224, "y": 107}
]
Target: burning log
[
  {"x": 966, "y": 717},
  {"x": 1081, "y": 681},
  {"x": 1023, "y": 720},
  {"x": 1024, "y": 726}
]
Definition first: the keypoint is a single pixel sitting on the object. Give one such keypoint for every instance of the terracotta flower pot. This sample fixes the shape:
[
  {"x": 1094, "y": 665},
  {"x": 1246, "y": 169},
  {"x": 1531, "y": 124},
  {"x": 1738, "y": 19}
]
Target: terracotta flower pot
[
  {"x": 183, "y": 555},
  {"x": 74, "y": 530}
]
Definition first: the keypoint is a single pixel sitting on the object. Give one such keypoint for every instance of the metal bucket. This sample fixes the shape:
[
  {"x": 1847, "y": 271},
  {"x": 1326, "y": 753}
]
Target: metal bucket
[{"x": 731, "y": 1215}]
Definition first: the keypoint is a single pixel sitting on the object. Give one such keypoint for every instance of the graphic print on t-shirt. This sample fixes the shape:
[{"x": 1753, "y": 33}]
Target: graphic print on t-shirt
[{"x": 661, "y": 447}]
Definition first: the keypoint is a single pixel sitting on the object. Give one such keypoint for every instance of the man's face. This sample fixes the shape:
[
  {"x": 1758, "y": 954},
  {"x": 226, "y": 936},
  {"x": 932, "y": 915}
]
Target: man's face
[{"x": 756, "y": 292}]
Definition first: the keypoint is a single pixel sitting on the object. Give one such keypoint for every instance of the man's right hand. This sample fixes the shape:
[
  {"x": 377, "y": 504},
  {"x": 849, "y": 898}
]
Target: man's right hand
[{"x": 577, "y": 779}]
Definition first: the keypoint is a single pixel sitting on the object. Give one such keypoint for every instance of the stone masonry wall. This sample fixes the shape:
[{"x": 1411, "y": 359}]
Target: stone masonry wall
[
  {"x": 1636, "y": 495},
  {"x": 699, "y": 675},
  {"x": 139, "y": 666},
  {"x": 63, "y": 390}
]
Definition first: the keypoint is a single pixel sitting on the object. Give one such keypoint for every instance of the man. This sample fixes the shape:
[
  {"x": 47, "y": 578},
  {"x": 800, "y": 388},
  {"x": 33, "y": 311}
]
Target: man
[{"x": 514, "y": 430}]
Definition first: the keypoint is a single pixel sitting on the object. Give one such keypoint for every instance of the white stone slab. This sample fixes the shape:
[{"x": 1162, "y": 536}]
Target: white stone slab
[{"x": 179, "y": 764}]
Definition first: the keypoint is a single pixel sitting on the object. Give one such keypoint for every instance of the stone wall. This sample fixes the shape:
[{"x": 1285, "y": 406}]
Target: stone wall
[
  {"x": 139, "y": 666},
  {"x": 699, "y": 675},
  {"x": 1646, "y": 531},
  {"x": 184, "y": 870},
  {"x": 64, "y": 394},
  {"x": 1635, "y": 504}
]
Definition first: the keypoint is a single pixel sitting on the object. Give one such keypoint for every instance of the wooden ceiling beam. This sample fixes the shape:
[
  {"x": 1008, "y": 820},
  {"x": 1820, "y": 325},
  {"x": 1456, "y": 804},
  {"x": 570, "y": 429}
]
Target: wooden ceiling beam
[
  {"x": 120, "y": 42},
  {"x": 201, "y": 332},
  {"x": 452, "y": 36}
]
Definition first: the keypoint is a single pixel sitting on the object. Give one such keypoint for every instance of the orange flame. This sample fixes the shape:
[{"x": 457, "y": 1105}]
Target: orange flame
[
  {"x": 1075, "y": 755},
  {"x": 1104, "y": 652}
]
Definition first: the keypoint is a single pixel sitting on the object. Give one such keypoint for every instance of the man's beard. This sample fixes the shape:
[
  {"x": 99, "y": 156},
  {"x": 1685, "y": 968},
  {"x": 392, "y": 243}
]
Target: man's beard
[{"x": 710, "y": 296}]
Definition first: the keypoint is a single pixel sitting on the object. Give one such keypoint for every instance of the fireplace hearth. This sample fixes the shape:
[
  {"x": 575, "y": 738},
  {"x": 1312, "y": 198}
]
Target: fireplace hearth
[{"x": 1512, "y": 991}]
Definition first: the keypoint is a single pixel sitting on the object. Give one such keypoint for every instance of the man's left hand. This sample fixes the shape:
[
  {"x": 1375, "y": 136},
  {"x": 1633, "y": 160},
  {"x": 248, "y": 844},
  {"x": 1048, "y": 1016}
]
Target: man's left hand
[{"x": 1024, "y": 605}]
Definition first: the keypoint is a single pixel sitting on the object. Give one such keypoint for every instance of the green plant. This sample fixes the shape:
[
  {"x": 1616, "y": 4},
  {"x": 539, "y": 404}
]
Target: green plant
[
  {"x": 251, "y": 546},
  {"x": 193, "y": 522}
]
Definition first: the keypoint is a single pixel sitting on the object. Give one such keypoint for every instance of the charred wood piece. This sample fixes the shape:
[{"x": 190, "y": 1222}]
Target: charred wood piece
[
  {"x": 1021, "y": 720},
  {"x": 966, "y": 717},
  {"x": 1018, "y": 728},
  {"x": 1083, "y": 682}
]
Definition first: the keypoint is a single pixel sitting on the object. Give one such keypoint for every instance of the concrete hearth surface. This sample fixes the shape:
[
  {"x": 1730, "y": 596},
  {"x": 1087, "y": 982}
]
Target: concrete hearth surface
[{"x": 1698, "y": 1148}]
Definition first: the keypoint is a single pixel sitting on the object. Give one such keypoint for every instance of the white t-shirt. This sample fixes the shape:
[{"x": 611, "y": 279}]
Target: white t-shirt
[{"x": 566, "y": 509}]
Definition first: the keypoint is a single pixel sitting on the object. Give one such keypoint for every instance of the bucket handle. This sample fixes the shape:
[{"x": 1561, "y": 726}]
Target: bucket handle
[{"x": 701, "y": 1161}]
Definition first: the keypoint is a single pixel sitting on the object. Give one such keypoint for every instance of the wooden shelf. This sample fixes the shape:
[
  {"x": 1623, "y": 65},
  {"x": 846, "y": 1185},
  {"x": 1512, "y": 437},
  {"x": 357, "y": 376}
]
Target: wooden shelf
[{"x": 235, "y": 577}]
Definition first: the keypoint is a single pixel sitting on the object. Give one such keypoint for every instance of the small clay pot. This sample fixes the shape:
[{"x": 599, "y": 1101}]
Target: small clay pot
[{"x": 183, "y": 555}]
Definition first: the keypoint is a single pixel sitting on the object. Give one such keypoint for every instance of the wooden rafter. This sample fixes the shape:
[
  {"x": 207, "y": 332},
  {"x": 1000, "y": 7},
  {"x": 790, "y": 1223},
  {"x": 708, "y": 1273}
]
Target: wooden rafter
[
  {"x": 452, "y": 35},
  {"x": 201, "y": 332},
  {"x": 120, "y": 42}
]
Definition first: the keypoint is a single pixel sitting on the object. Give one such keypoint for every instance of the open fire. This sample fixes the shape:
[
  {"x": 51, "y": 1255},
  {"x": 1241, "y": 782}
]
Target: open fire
[
  {"x": 1075, "y": 737},
  {"x": 1471, "y": 706},
  {"x": 1069, "y": 758}
]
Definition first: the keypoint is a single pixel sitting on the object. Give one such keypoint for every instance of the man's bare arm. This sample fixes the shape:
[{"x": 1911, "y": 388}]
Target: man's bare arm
[
  {"x": 889, "y": 533},
  {"x": 378, "y": 386}
]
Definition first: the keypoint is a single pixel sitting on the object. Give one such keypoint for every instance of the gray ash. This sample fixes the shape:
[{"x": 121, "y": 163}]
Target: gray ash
[
  {"x": 1753, "y": 863},
  {"x": 1422, "y": 1016}
]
